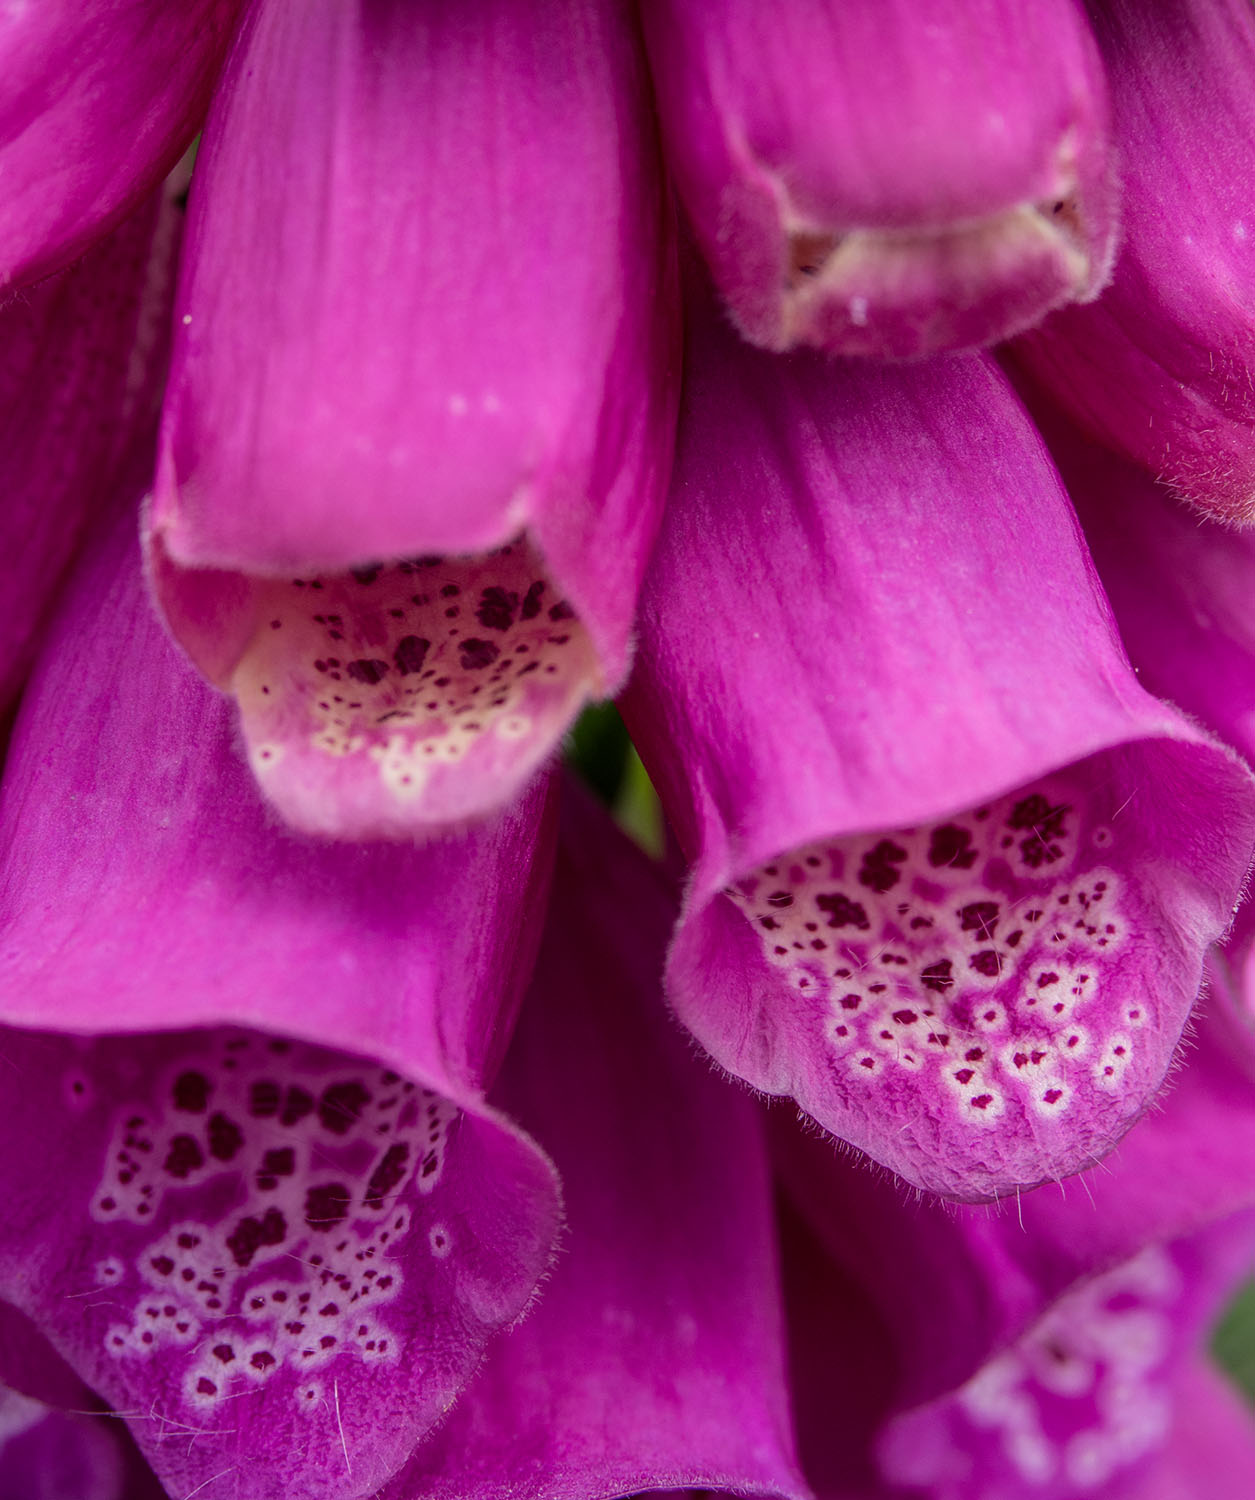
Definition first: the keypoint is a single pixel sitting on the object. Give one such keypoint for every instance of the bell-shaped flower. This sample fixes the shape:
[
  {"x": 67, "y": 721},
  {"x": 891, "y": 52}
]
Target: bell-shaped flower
[
  {"x": 269, "y": 1217},
  {"x": 953, "y": 1288},
  {"x": 894, "y": 180},
  {"x": 82, "y": 357},
  {"x": 1096, "y": 1396},
  {"x": 654, "y": 1358},
  {"x": 955, "y": 870},
  {"x": 420, "y": 413},
  {"x": 100, "y": 99},
  {"x": 1162, "y": 367}
]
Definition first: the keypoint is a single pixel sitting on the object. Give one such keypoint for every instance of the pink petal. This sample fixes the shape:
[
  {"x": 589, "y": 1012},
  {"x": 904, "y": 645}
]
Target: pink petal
[
  {"x": 889, "y": 180},
  {"x": 100, "y": 100},
  {"x": 427, "y": 318},
  {"x": 1160, "y": 367},
  {"x": 306, "y": 1203},
  {"x": 955, "y": 871},
  {"x": 653, "y": 1360}
]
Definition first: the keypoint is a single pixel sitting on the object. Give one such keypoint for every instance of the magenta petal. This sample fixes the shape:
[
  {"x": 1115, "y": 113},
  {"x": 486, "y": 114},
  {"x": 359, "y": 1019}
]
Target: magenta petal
[
  {"x": 888, "y": 180},
  {"x": 1211, "y": 1452},
  {"x": 306, "y": 1204},
  {"x": 100, "y": 99},
  {"x": 52, "y": 1455},
  {"x": 422, "y": 401},
  {"x": 1084, "y": 1403},
  {"x": 955, "y": 870},
  {"x": 956, "y": 1288},
  {"x": 80, "y": 380},
  {"x": 653, "y": 1360},
  {"x": 1161, "y": 367}
]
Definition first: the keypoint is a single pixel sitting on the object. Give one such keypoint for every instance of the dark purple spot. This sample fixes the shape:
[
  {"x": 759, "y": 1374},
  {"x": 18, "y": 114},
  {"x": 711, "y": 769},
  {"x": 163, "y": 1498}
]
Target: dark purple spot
[
  {"x": 385, "y": 1177},
  {"x": 296, "y": 1105},
  {"x": 842, "y": 912},
  {"x": 531, "y": 601},
  {"x": 367, "y": 670},
  {"x": 561, "y": 611},
  {"x": 184, "y": 1156},
  {"x": 261, "y": 1360},
  {"x": 162, "y": 1264},
  {"x": 280, "y": 1161},
  {"x": 986, "y": 962},
  {"x": 1044, "y": 826},
  {"x": 496, "y": 608},
  {"x": 224, "y": 1353},
  {"x": 368, "y": 574},
  {"x": 191, "y": 1092},
  {"x": 905, "y": 1017},
  {"x": 251, "y": 1233},
  {"x": 225, "y": 1137},
  {"x": 983, "y": 1101},
  {"x": 938, "y": 977},
  {"x": 206, "y": 1387},
  {"x": 341, "y": 1106},
  {"x": 1052, "y": 1096},
  {"x": 780, "y": 899},
  {"x": 980, "y": 917},
  {"x": 263, "y": 1099},
  {"x": 477, "y": 654},
  {"x": 327, "y": 1205},
  {"x": 410, "y": 654},
  {"x": 950, "y": 848},
  {"x": 879, "y": 870}
]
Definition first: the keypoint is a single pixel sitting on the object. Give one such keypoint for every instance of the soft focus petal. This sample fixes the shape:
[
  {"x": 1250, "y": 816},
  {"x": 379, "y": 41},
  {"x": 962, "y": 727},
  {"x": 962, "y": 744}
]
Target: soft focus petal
[
  {"x": 53, "y": 1455},
  {"x": 82, "y": 360},
  {"x": 957, "y": 1287},
  {"x": 100, "y": 99},
  {"x": 888, "y": 179},
  {"x": 955, "y": 870},
  {"x": 278, "y": 1243},
  {"x": 654, "y": 1358},
  {"x": 1084, "y": 1403},
  {"x": 428, "y": 309},
  {"x": 1211, "y": 1452},
  {"x": 1162, "y": 366}
]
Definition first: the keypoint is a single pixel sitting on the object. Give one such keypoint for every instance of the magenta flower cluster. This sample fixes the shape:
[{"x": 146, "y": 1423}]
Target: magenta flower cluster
[{"x": 373, "y": 1126}]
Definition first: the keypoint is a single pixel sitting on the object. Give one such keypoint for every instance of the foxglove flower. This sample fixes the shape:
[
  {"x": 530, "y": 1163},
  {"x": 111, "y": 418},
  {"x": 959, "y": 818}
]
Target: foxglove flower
[
  {"x": 80, "y": 384},
  {"x": 100, "y": 99},
  {"x": 420, "y": 412},
  {"x": 1089, "y": 1400},
  {"x": 655, "y": 1355},
  {"x": 955, "y": 1288},
  {"x": 889, "y": 181},
  {"x": 289, "y": 1232},
  {"x": 1161, "y": 367},
  {"x": 954, "y": 870}
]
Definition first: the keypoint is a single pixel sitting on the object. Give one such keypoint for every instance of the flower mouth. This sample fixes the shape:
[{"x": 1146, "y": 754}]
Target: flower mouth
[
  {"x": 903, "y": 293},
  {"x": 417, "y": 692},
  {"x": 986, "y": 984}
]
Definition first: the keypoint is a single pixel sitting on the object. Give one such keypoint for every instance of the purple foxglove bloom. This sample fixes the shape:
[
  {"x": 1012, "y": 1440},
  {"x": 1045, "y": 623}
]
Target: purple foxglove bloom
[
  {"x": 83, "y": 358},
  {"x": 421, "y": 408},
  {"x": 277, "y": 1242},
  {"x": 955, "y": 870},
  {"x": 655, "y": 1355},
  {"x": 954, "y": 1288},
  {"x": 1161, "y": 367},
  {"x": 100, "y": 99},
  {"x": 888, "y": 180},
  {"x": 1084, "y": 1403}
]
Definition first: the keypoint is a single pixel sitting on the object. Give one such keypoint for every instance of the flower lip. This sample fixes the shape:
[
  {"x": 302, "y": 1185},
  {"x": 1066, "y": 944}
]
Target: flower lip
[
  {"x": 905, "y": 294},
  {"x": 393, "y": 698}
]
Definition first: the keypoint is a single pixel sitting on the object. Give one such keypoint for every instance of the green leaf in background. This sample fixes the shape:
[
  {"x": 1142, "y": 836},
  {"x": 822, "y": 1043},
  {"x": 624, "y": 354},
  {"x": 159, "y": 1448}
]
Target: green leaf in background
[{"x": 1233, "y": 1343}]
